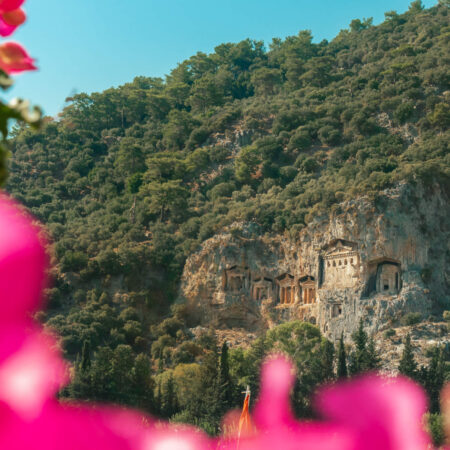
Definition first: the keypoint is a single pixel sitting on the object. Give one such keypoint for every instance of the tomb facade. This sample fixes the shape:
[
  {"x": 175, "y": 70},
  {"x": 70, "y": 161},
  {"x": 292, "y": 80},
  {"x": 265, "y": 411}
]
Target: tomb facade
[
  {"x": 286, "y": 289},
  {"x": 307, "y": 290},
  {"x": 236, "y": 279},
  {"x": 388, "y": 278},
  {"x": 384, "y": 277},
  {"x": 262, "y": 289},
  {"x": 340, "y": 265}
]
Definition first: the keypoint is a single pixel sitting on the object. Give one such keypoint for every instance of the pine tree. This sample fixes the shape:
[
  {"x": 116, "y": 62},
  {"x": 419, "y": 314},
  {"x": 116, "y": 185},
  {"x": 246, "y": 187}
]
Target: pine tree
[
  {"x": 408, "y": 365},
  {"x": 342, "y": 359}
]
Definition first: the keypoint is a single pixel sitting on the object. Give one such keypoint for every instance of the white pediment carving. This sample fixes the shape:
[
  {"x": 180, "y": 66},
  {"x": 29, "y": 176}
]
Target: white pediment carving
[{"x": 339, "y": 249}]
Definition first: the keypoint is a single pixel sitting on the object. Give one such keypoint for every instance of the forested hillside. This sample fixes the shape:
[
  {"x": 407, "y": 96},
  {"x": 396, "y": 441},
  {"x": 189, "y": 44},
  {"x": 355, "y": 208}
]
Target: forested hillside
[{"x": 130, "y": 181}]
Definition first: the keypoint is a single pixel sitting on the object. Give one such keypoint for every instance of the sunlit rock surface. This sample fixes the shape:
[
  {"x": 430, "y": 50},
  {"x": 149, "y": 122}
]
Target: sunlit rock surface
[{"x": 375, "y": 259}]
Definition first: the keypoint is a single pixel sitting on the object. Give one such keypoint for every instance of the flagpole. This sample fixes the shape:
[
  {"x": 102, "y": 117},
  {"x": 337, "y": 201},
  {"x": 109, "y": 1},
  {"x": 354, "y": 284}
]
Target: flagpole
[{"x": 247, "y": 395}]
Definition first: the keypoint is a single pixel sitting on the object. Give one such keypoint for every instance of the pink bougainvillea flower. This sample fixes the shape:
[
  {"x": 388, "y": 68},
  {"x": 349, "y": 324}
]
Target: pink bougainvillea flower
[
  {"x": 179, "y": 437},
  {"x": 10, "y": 20},
  {"x": 364, "y": 414},
  {"x": 23, "y": 263},
  {"x": 32, "y": 373},
  {"x": 276, "y": 426},
  {"x": 10, "y": 5},
  {"x": 14, "y": 18},
  {"x": 15, "y": 59},
  {"x": 72, "y": 427},
  {"x": 383, "y": 413}
]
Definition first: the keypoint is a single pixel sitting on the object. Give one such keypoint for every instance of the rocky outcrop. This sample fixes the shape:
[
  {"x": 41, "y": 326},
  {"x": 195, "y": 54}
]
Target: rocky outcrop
[
  {"x": 425, "y": 337},
  {"x": 370, "y": 259}
]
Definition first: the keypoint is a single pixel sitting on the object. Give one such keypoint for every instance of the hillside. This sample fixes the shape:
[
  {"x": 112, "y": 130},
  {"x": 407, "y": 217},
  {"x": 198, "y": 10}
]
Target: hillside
[{"x": 131, "y": 181}]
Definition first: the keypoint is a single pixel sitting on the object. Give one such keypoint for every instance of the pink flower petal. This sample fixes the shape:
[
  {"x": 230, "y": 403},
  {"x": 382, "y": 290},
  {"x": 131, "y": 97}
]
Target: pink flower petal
[
  {"x": 273, "y": 408},
  {"x": 276, "y": 426},
  {"x": 9, "y": 21},
  {"x": 32, "y": 374},
  {"x": 178, "y": 437},
  {"x": 5, "y": 29},
  {"x": 23, "y": 263},
  {"x": 10, "y": 5},
  {"x": 14, "y": 18},
  {"x": 385, "y": 413},
  {"x": 72, "y": 427},
  {"x": 14, "y": 58}
]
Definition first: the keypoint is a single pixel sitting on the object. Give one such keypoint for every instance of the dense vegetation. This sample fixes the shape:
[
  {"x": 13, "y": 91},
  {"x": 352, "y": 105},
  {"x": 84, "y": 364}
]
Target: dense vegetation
[
  {"x": 203, "y": 382},
  {"x": 130, "y": 181}
]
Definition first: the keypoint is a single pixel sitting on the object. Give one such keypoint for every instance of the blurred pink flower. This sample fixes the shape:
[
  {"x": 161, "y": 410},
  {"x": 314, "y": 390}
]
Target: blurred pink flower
[
  {"x": 10, "y": 20},
  {"x": 23, "y": 263},
  {"x": 179, "y": 437},
  {"x": 15, "y": 59},
  {"x": 367, "y": 413},
  {"x": 275, "y": 423},
  {"x": 10, "y": 5},
  {"x": 71, "y": 427},
  {"x": 31, "y": 370},
  {"x": 383, "y": 412}
]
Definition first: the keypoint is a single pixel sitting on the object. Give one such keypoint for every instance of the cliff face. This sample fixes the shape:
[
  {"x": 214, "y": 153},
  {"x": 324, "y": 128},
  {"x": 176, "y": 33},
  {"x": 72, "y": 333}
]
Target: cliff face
[{"x": 375, "y": 260}]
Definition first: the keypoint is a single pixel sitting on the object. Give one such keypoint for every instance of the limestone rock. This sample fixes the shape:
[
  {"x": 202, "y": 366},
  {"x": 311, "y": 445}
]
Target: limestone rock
[{"x": 375, "y": 260}]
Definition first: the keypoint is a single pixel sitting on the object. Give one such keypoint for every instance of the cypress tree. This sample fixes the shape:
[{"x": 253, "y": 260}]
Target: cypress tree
[
  {"x": 158, "y": 399},
  {"x": 160, "y": 362},
  {"x": 142, "y": 383},
  {"x": 359, "y": 355},
  {"x": 85, "y": 363},
  {"x": 257, "y": 354},
  {"x": 169, "y": 401},
  {"x": 80, "y": 387},
  {"x": 408, "y": 365},
  {"x": 211, "y": 394},
  {"x": 373, "y": 359},
  {"x": 327, "y": 361},
  {"x": 342, "y": 359},
  {"x": 435, "y": 378},
  {"x": 225, "y": 385}
]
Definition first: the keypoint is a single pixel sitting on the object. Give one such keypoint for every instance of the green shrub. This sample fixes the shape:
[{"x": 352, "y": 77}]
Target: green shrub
[
  {"x": 403, "y": 112},
  {"x": 329, "y": 135},
  {"x": 300, "y": 140},
  {"x": 436, "y": 428},
  {"x": 73, "y": 261},
  {"x": 389, "y": 333},
  {"x": 411, "y": 318}
]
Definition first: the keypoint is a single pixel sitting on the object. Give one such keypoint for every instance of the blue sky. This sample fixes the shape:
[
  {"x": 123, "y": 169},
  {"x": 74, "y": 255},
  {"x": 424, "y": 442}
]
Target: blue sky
[{"x": 91, "y": 45}]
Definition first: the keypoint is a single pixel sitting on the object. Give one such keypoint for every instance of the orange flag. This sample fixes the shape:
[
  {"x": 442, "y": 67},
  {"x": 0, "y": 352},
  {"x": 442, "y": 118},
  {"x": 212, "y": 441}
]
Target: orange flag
[{"x": 245, "y": 423}]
